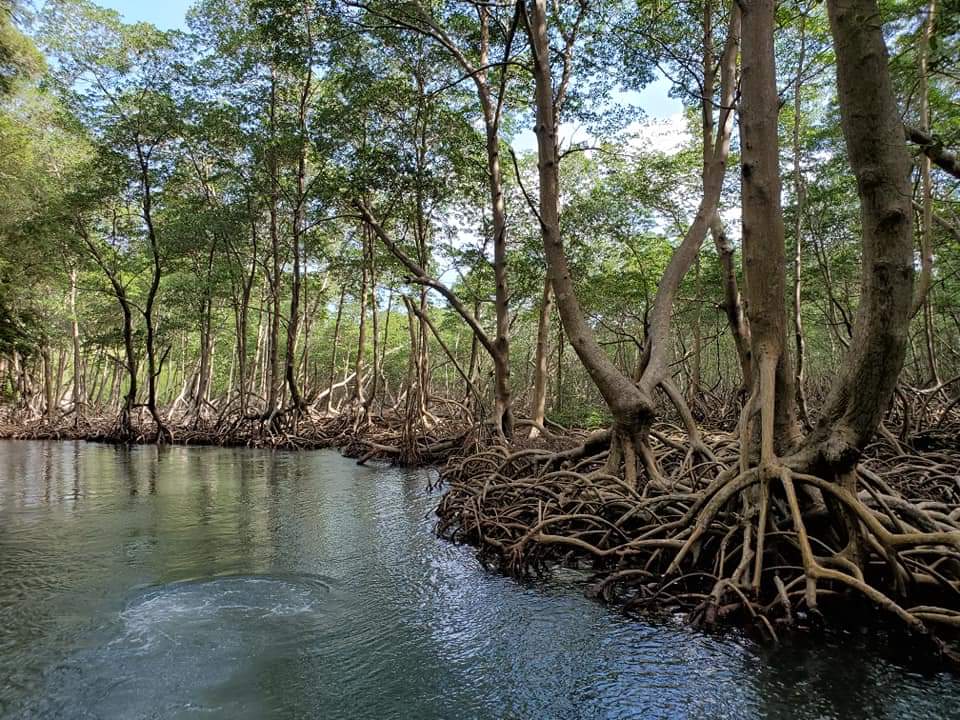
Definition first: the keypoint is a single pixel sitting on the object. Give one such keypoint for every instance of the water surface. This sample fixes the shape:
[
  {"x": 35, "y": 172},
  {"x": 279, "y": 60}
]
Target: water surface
[{"x": 221, "y": 583}]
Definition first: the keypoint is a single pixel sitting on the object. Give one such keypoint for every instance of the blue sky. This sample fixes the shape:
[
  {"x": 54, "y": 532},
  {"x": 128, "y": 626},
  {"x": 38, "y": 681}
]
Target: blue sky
[{"x": 164, "y": 14}]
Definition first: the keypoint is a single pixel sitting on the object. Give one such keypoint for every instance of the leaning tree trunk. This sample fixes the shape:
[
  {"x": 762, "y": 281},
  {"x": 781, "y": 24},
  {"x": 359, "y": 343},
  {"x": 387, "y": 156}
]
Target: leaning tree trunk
[
  {"x": 631, "y": 408},
  {"x": 631, "y": 404},
  {"x": 492, "y": 102},
  {"x": 732, "y": 305},
  {"x": 125, "y": 421}
]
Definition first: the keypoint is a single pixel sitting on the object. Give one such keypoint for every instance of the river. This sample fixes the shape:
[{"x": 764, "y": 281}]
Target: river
[{"x": 222, "y": 583}]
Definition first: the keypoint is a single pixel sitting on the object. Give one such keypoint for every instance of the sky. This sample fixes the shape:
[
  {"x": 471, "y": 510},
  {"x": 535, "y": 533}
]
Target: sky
[
  {"x": 664, "y": 114},
  {"x": 168, "y": 14},
  {"x": 165, "y": 14}
]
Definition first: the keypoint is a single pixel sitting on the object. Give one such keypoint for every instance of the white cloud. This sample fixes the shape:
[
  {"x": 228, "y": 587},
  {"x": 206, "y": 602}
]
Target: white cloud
[{"x": 667, "y": 135}]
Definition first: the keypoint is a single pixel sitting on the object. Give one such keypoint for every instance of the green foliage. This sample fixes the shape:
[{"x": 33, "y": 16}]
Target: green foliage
[{"x": 215, "y": 120}]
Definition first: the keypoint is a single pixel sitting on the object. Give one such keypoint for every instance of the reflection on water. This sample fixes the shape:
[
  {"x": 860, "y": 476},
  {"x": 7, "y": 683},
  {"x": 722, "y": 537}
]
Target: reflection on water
[{"x": 183, "y": 583}]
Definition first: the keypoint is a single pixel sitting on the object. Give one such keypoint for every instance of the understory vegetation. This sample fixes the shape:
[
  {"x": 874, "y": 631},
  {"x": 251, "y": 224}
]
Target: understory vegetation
[{"x": 714, "y": 358}]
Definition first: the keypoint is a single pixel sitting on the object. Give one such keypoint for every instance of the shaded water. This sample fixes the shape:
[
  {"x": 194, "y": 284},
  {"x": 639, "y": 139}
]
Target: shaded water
[{"x": 210, "y": 583}]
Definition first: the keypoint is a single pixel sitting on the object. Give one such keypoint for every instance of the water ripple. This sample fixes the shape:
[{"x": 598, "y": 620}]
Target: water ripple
[{"x": 232, "y": 584}]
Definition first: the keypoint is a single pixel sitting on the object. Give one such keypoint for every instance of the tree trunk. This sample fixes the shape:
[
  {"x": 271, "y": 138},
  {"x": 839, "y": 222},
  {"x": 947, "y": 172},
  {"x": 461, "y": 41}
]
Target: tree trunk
[
  {"x": 375, "y": 333},
  {"x": 299, "y": 218},
  {"x": 333, "y": 351},
  {"x": 274, "y": 277},
  {"x": 125, "y": 426},
  {"x": 632, "y": 409},
  {"x": 925, "y": 279},
  {"x": 420, "y": 276},
  {"x": 78, "y": 389},
  {"x": 632, "y": 405},
  {"x": 800, "y": 194},
  {"x": 491, "y": 103},
  {"x": 764, "y": 255},
  {"x": 872, "y": 129},
  {"x": 658, "y": 346},
  {"x": 541, "y": 363},
  {"x": 733, "y": 307},
  {"x": 154, "y": 364},
  {"x": 130, "y": 399},
  {"x": 58, "y": 382},
  {"x": 206, "y": 341},
  {"x": 693, "y": 389},
  {"x": 356, "y": 399},
  {"x": 48, "y": 389}
]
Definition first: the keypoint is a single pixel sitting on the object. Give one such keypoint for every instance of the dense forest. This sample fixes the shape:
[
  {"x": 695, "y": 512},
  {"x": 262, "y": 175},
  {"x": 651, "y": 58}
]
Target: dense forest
[{"x": 717, "y": 362}]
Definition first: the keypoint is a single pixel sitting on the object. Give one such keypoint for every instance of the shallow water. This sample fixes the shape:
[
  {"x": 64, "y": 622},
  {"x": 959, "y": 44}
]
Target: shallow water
[{"x": 212, "y": 583}]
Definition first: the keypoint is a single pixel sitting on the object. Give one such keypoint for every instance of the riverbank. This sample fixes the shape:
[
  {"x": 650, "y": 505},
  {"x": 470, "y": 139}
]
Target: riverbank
[{"x": 381, "y": 438}]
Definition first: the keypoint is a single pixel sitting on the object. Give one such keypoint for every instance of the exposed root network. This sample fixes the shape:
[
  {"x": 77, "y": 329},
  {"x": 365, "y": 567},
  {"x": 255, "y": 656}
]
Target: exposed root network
[
  {"x": 773, "y": 547},
  {"x": 378, "y": 437}
]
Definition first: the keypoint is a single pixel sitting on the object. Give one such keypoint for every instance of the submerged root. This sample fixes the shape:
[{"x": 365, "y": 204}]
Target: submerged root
[{"x": 716, "y": 541}]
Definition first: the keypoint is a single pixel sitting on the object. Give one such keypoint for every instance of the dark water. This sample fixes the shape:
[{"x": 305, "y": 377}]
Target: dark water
[{"x": 207, "y": 583}]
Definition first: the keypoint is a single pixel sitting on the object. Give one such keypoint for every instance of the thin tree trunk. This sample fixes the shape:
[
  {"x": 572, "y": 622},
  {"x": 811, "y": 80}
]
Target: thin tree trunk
[
  {"x": 125, "y": 425},
  {"x": 299, "y": 219},
  {"x": 356, "y": 398},
  {"x": 925, "y": 279},
  {"x": 375, "y": 333},
  {"x": 801, "y": 196},
  {"x": 732, "y": 305},
  {"x": 333, "y": 351},
  {"x": 473, "y": 369},
  {"x": 154, "y": 364},
  {"x": 58, "y": 383},
  {"x": 206, "y": 341},
  {"x": 693, "y": 389},
  {"x": 78, "y": 384},
  {"x": 492, "y": 104},
  {"x": 48, "y": 389},
  {"x": 274, "y": 275},
  {"x": 503, "y": 408},
  {"x": 541, "y": 363},
  {"x": 383, "y": 350}
]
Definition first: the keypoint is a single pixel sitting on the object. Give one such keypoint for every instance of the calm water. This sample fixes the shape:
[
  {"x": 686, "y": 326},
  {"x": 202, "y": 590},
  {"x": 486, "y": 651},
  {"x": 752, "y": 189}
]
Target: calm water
[{"x": 208, "y": 583}]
